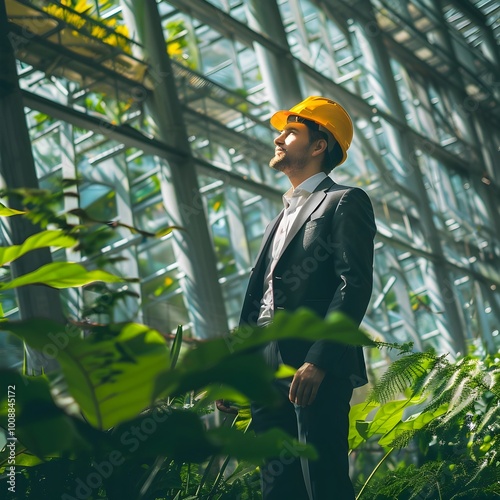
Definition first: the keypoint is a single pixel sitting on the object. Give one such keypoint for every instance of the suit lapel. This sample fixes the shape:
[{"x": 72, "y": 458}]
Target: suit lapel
[
  {"x": 267, "y": 238},
  {"x": 307, "y": 209}
]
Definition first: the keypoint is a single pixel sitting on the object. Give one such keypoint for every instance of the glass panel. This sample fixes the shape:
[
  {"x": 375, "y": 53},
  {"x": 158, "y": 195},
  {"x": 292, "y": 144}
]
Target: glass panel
[
  {"x": 99, "y": 201},
  {"x": 167, "y": 314},
  {"x": 145, "y": 189},
  {"x": 139, "y": 164},
  {"x": 47, "y": 152},
  {"x": 156, "y": 257},
  {"x": 164, "y": 284},
  {"x": 152, "y": 218}
]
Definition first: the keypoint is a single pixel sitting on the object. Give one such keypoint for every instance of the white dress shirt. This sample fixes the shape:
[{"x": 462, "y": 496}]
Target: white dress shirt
[{"x": 293, "y": 200}]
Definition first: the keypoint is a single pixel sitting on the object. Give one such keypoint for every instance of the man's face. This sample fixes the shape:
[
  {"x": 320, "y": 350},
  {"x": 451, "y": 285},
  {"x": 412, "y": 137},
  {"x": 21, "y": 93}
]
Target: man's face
[{"x": 292, "y": 148}]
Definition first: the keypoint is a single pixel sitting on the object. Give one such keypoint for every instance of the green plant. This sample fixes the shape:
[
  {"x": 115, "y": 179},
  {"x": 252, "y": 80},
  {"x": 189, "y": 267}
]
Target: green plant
[{"x": 450, "y": 411}]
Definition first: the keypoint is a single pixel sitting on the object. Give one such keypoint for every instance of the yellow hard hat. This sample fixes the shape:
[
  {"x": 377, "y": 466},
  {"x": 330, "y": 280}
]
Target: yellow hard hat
[{"x": 326, "y": 113}]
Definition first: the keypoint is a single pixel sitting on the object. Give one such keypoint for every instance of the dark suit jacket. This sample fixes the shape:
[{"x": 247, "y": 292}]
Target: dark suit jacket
[{"x": 326, "y": 265}]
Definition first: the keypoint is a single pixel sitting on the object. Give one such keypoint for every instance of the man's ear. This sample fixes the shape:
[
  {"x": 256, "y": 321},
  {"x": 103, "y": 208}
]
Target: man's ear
[{"x": 320, "y": 147}]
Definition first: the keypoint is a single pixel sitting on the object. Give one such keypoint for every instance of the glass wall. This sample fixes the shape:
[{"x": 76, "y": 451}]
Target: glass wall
[{"x": 420, "y": 83}]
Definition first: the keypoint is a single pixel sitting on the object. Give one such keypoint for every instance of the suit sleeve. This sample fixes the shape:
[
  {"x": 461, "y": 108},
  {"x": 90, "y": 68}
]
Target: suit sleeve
[{"x": 353, "y": 230}]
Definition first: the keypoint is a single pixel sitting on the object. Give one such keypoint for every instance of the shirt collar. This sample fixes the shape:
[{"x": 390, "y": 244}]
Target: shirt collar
[{"x": 305, "y": 188}]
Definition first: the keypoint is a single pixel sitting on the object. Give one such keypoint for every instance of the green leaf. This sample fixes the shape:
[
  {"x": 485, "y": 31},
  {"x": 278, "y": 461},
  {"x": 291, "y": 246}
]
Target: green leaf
[
  {"x": 247, "y": 373},
  {"x": 386, "y": 419},
  {"x": 42, "y": 334},
  {"x": 387, "y": 416},
  {"x": 9, "y": 212},
  {"x": 271, "y": 444},
  {"x": 357, "y": 424},
  {"x": 242, "y": 469},
  {"x": 61, "y": 275},
  {"x": 217, "y": 391},
  {"x": 112, "y": 380},
  {"x": 40, "y": 425},
  {"x": 232, "y": 360},
  {"x": 285, "y": 371},
  {"x": 176, "y": 347},
  {"x": 414, "y": 423},
  {"x": 178, "y": 434},
  {"x": 301, "y": 324},
  {"x": 23, "y": 457},
  {"x": 167, "y": 230},
  {"x": 39, "y": 240}
]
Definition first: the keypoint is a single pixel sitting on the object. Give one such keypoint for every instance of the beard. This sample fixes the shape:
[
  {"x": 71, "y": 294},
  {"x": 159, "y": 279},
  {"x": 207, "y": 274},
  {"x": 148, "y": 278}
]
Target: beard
[
  {"x": 278, "y": 162},
  {"x": 285, "y": 162}
]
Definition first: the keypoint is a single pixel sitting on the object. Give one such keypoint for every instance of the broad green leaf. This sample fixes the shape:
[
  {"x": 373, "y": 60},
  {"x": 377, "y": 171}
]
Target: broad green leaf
[
  {"x": 223, "y": 360},
  {"x": 61, "y": 275},
  {"x": 357, "y": 423},
  {"x": 304, "y": 324},
  {"x": 385, "y": 420},
  {"x": 113, "y": 379},
  {"x": 274, "y": 443},
  {"x": 247, "y": 373},
  {"x": 285, "y": 371},
  {"x": 361, "y": 410},
  {"x": 414, "y": 423},
  {"x": 387, "y": 416},
  {"x": 41, "y": 426},
  {"x": 23, "y": 457},
  {"x": 8, "y": 212},
  {"x": 39, "y": 240},
  {"x": 301, "y": 324},
  {"x": 42, "y": 334},
  {"x": 178, "y": 434},
  {"x": 217, "y": 391},
  {"x": 242, "y": 469}
]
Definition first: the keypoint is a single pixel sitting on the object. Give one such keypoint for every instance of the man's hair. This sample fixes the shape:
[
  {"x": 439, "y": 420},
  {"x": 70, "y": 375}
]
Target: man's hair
[{"x": 332, "y": 157}]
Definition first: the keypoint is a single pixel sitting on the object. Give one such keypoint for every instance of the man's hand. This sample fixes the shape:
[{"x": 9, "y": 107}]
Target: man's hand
[
  {"x": 225, "y": 407},
  {"x": 305, "y": 384}
]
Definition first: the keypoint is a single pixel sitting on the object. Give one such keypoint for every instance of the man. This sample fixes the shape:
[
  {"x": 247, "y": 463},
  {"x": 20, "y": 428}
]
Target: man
[{"x": 317, "y": 253}]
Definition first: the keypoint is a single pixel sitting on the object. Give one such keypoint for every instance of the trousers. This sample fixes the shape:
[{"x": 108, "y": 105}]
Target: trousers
[{"x": 325, "y": 425}]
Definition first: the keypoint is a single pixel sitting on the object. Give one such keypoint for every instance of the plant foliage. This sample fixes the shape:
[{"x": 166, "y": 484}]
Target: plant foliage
[{"x": 451, "y": 409}]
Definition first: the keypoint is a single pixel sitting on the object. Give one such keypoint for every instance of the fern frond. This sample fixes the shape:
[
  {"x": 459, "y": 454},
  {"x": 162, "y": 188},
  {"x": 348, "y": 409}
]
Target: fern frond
[
  {"x": 404, "y": 439},
  {"x": 401, "y": 375},
  {"x": 405, "y": 348},
  {"x": 462, "y": 385},
  {"x": 438, "y": 369},
  {"x": 419, "y": 482},
  {"x": 441, "y": 376},
  {"x": 479, "y": 468},
  {"x": 494, "y": 379},
  {"x": 438, "y": 479},
  {"x": 461, "y": 402},
  {"x": 491, "y": 415}
]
